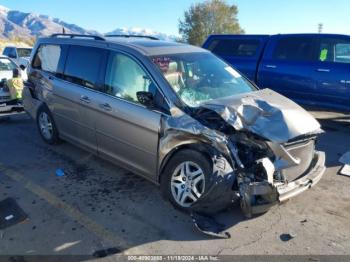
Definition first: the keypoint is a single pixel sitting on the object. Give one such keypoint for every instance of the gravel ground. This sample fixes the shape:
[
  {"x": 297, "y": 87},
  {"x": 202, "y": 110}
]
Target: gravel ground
[{"x": 98, "y": 206}]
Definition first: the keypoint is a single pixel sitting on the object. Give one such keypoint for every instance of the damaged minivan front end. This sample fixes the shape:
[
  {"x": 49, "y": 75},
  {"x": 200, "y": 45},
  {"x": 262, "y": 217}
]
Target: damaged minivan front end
[
  {"x": 259, "y": 144},
  {"x": 262, "y": 146}
]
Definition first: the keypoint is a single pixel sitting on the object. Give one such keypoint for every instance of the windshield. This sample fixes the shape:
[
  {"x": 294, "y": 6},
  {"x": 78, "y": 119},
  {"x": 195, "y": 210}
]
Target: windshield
[
  {"x": 24, "y": 52},
  {"x": 6, "y": 64},
  {"x": 200, "y": 77}
]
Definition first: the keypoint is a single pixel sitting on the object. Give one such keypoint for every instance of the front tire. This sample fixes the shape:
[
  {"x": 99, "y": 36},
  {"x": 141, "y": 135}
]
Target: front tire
[
  {"x": 186, "y": 178},
  {"x": 46, "y": 126}
]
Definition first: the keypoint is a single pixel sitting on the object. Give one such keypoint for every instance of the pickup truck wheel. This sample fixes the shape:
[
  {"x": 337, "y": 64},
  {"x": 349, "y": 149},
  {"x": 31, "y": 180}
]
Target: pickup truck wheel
[
  {"x": 46, "y": 126},
  {"x": 185, "y": 178}
]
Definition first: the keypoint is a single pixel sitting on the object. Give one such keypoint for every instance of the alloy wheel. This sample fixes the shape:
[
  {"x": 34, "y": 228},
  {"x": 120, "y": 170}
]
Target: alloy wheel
[
  {"x": 187, "y": 183},
  {"x": 45, "y": 125}
]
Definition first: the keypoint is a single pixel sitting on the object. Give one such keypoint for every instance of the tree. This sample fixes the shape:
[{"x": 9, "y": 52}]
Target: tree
[{"x": 209, "y": 17}]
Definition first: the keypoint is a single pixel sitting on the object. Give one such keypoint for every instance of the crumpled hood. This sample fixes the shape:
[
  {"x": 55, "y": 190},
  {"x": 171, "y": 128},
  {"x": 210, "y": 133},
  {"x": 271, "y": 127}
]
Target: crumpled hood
[{"x": 267, "y": 114}]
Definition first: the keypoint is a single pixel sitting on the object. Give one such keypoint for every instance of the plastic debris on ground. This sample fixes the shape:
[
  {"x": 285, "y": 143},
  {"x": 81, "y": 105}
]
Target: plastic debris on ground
[
  {"x": 219, "y": 197},
  {"x": 287, "y": 237},
  {"x": 59, "y": 172},
  {"x": 209, "y": 226},
  {"x": 303, "y": 221},
  {"x": 345, "y": 160},
  {"x": 10, "y": 213}
]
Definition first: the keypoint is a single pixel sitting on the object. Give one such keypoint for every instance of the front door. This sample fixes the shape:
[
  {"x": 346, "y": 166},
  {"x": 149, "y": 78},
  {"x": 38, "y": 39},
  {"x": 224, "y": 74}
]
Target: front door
[
  {"x": 287, "y": 67},
  {"x": 127, "y": 131}
]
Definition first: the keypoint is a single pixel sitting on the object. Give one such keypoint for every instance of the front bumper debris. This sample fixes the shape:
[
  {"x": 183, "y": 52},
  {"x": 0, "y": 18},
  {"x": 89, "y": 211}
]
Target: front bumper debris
[
  {"x": 259, "y": 197},
  {"x": 294, "y": 188},
  {"x": 255, "y": 197}
]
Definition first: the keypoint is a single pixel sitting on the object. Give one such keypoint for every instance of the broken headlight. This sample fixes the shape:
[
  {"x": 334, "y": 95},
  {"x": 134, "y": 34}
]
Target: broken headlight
[{"x": 250, "y": 150}]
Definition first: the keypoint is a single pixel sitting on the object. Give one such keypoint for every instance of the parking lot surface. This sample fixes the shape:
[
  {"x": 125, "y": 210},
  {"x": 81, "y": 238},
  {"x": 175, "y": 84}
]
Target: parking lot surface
[{"x": 97, "y": 205}]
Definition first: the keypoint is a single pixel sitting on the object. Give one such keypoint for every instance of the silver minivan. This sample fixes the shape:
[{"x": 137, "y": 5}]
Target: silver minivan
[{"x": 177, "y": 115}]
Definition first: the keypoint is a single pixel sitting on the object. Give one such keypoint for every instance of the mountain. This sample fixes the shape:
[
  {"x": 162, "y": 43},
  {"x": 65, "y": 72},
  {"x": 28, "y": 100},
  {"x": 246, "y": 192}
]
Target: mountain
[
  {"x": 142, "y": 31},
  {"x": 25, "y": 25},
  {"x": 19, "y": 24}
]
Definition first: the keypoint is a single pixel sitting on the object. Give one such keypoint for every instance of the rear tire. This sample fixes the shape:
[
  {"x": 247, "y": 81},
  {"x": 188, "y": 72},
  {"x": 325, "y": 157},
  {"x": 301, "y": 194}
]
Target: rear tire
[
  {"x": 46, "y": 126},
  {"x": 185, "y": 178}
]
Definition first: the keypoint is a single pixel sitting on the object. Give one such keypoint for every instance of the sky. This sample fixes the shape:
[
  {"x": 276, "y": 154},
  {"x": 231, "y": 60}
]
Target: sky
[{"x": 255, "y": 16}]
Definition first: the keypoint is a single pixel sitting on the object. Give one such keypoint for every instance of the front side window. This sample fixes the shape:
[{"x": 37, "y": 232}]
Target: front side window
[
  {"x": 294, "y": 49},
  {"x": 124, "y": 78},
  {"x": 235, "y": 47},
  {"x": 334, "y": 50},
  {"x": 6, "y": 64},
  {"x": 83, "y": 65},
  {"x": 47, "y": 58},
  {"x": 200, "y": 77}
]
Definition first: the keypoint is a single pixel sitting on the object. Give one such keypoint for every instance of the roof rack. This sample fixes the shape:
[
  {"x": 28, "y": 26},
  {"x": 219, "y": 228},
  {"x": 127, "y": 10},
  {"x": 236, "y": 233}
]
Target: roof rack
[
  {"x": 138, "y": 36},
  {"x": 96, "y": 37}
]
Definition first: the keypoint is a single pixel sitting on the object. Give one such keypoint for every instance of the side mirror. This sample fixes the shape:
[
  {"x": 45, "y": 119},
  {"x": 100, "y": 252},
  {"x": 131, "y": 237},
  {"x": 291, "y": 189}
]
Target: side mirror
[{"x": 145, "y": 98}]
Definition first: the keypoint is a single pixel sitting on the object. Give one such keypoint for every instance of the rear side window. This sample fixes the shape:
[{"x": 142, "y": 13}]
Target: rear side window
[
  {"x": 334, "y": 50},
  {"x": 83, "y": 65},
  {"x": 47, "y": 58},
  {"x": 6, "y": 51},
  {"x": 24, "y": 52},
  {"x": 295, "y": 49},
  {"x": 235, "y": 47}
]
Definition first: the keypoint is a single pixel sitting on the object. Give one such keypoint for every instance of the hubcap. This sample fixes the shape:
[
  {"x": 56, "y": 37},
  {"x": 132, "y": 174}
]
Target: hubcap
[
  {"x": 45, "y": 125},
  {"x": 187, "y": 183}
]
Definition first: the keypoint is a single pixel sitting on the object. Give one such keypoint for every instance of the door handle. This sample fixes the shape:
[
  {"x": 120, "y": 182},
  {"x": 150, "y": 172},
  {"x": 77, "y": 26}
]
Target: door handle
[
  {"x": 85, "y": 99},
  {"x": 270, "y": 66},
  {"x": 325, "y": 70},
  {"x": 106, "y": 107}
]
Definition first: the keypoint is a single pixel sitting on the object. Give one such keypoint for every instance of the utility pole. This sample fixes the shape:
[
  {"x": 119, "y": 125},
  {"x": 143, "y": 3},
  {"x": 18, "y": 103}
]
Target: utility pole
[{"x": 320, "y": 28}]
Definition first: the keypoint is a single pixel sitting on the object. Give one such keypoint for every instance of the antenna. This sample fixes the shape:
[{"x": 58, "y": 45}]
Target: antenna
[{"x": 320, "y": 28}]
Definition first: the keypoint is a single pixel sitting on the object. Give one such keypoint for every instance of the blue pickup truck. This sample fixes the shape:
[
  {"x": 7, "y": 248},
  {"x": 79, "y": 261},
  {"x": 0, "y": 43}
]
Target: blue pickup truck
[{"x": 311, "y": 69}]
